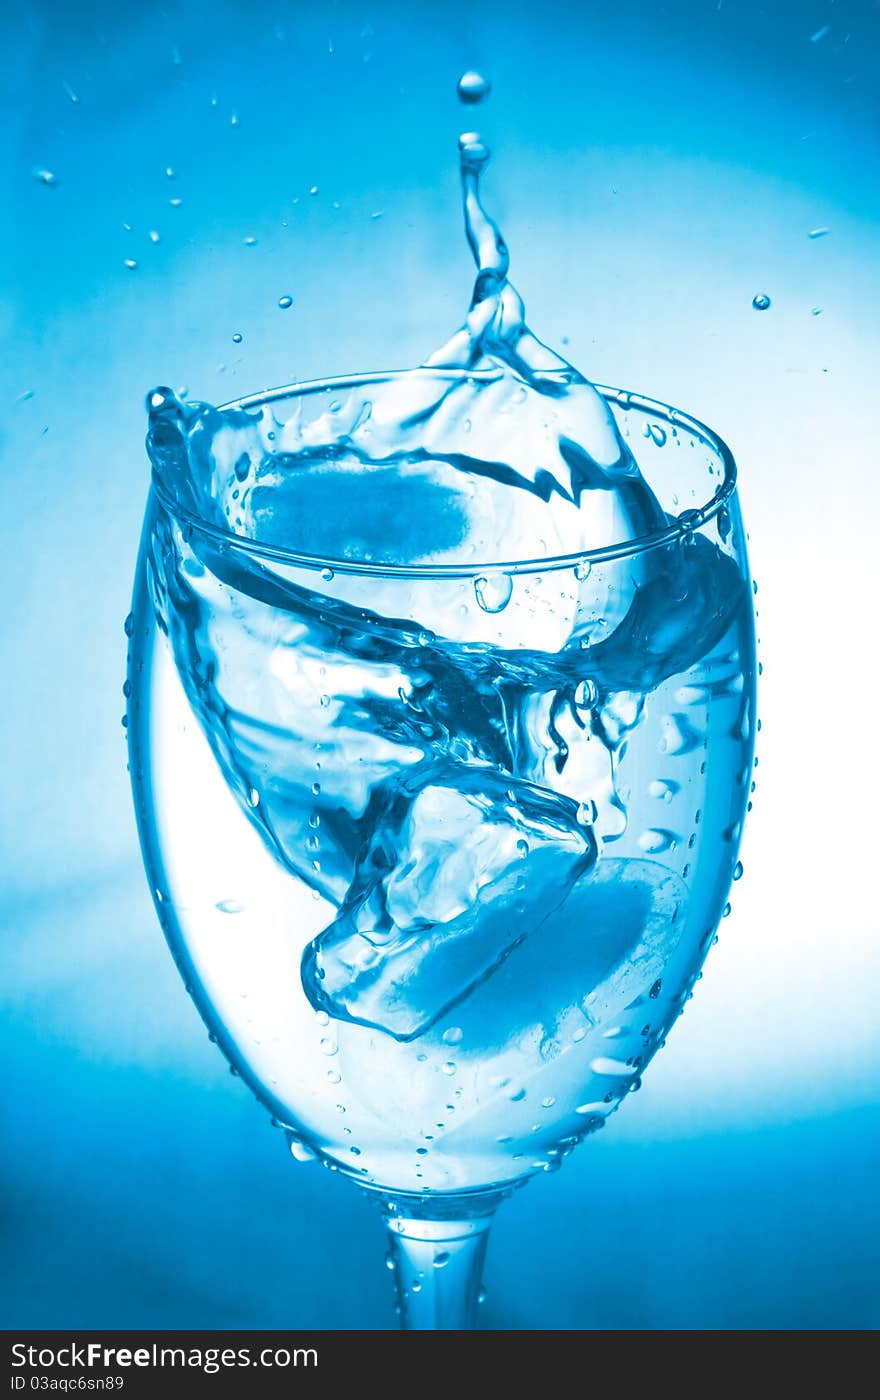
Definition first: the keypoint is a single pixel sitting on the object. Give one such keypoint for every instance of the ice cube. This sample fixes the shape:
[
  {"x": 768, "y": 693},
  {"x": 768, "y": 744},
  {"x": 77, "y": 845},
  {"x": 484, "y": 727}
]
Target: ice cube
[{"x": 462, "y": 866}]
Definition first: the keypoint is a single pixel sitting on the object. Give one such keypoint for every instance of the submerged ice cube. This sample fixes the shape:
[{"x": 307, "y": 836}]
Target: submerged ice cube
[{"x": 463, "y": 865}]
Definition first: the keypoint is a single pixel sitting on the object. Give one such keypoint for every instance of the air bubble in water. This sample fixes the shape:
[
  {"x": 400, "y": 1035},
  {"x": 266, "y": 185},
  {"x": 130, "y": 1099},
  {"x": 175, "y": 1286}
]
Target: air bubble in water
[
  {"x": 761, "y": 302},
  {"x": 473, "y": 87},
  {"x": 493, "y": 592}
]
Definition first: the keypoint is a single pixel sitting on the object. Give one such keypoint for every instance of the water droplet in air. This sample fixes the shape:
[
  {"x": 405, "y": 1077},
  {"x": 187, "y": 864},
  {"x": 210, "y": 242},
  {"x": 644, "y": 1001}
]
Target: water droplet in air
[
  {"x": 250, "y": 241},
  {"x": 473, "y": 87},
  {"x": 493, "y": 593},
  {"x": 130, "y": 263},
  {"x": 658, "y": 434},
  {"x": 761, "y": 302},
  {"x": 285, "y": 303},
  {"x": 818, "y": 232},
  {"x": 46, "y": 177},
  {"x": 229, "y": 906},
  {"x": 236, "y": 337}
]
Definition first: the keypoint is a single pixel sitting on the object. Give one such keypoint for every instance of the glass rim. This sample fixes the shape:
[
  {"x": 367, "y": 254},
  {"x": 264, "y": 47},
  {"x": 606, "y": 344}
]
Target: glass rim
[{"x": 684, "y": 524}]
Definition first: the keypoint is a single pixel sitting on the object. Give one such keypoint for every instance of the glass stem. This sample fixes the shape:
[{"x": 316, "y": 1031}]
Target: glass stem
[{"x": 438, "y": 1263}]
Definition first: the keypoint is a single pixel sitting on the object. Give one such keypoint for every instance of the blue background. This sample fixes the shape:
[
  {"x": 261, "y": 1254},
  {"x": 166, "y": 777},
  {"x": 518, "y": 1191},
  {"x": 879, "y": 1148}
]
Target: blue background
[{"x": 655, "y": 167}]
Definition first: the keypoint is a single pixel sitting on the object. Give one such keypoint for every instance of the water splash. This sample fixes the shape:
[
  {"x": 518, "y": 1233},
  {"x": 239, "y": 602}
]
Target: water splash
[{"x": 496, "y": 449}]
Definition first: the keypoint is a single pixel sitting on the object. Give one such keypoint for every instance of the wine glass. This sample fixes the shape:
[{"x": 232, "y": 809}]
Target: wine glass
[{"x": 439, "y": 850}]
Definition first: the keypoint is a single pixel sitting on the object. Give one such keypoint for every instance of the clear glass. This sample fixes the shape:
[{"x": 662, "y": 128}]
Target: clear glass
[{"x": 273, "y": 697}]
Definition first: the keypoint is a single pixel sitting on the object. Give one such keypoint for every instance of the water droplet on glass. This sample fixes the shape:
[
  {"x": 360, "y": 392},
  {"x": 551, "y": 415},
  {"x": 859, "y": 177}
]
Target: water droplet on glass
[
  {"x": 285, "y": 302},
  {"x": 473, "y": 87},
  {"x": 586, "y": 695},
  {"x": 761, "y": 302},
  {"x": 678, "y": 735},
  {"x": 582, "y": 569},
  {"x": 453, "y": 1035},
  {"x": 300, "y": 1152},
  {"x": 657, "y": 839},
  {"x": 658, "y": 434},
  {"x": 738, "y": 870},
  {"x": 605, "y": 1066},
  {"x": 663, "y": 789},
  {"x": 441, "y": 1258},
  {"x": 493, "y": 592},
  {"x": 449, "y": 1067}
]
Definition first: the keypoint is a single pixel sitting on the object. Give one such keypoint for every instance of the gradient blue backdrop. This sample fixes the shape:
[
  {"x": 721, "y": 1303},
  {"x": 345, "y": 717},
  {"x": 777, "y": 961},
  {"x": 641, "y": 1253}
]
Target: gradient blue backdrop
[{"x": 655, "y": 167}]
